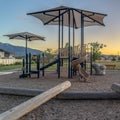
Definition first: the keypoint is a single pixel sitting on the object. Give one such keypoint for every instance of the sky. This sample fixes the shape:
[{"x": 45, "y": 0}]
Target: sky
[{"x": 14, "y": 20}]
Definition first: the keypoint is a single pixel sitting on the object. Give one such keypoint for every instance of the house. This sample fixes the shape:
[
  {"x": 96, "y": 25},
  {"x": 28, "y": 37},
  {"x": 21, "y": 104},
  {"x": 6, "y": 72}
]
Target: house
[{"x": 6, "y": 54}]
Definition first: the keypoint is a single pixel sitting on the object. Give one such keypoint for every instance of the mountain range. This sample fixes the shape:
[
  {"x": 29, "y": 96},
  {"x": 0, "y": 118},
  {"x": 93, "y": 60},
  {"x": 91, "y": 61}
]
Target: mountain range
[{"x": 18, "y": 50}]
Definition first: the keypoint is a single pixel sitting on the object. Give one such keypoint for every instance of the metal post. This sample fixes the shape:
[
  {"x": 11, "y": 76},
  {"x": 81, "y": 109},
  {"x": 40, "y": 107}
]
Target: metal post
[
  {"x": 59, "y": 47},
  {"x": 62, "y": 32},
  {"x": 30, "y": 63},
  {"x": 23, "y": 65},
  {"x": 62, "y": 39},
  {"x": 26, "y": 55},
  {"x": 43, "y": 65},
  {"x": 38, "y": 65},
  {"x": 26, "y": 63},
  {"x": 82, "y": 30},
  {"x": 82, "y": 35},
  {"x": 26, "y": 44},
  {"x": 69, "y": 50},
  {"x": 91, "y": 52},
  {"x": 73, "y": 33},
  {"x": 73, "y": 42}
]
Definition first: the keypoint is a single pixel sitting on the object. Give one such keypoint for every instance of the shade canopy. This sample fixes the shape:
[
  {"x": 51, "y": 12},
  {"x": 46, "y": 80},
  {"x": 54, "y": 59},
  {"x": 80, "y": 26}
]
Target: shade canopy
[
  {"x": 51, "y": 17},
  {"x": 25, "y": 35}
]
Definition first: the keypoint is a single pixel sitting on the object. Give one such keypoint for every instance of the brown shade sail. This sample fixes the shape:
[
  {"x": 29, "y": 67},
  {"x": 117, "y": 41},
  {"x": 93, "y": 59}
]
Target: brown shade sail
[
  {"x": 51, "y": 17},
  {"x": 24, "y": 35}
]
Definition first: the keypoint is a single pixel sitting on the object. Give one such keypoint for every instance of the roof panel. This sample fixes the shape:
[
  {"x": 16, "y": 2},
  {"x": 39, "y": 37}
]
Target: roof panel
[{"x": 51, "y": 16}]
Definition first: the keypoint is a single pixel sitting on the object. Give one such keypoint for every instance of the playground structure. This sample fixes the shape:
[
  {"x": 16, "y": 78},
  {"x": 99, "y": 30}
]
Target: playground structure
[
  {"x": 62, "y": 16},
  {"x": 41, "y": 65},
  {"x": 27, "y": 69},
  {"x": 80, "y": 58},
  {"x": 27, "y": 37},
  {"x": 71, "y": 17}
]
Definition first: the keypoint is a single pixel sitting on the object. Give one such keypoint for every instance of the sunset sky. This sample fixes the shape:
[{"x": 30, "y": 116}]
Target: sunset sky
[{"x": 14, "y": 19}]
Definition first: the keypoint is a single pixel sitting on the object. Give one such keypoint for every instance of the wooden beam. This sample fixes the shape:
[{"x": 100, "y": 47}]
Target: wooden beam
[
  {"x": 31, "y": 104},
  {"x": 116, "y": 87}
]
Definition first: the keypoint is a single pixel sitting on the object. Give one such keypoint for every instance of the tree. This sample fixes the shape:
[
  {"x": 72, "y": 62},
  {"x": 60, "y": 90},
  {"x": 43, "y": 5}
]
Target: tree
[
  {"x": 97, "y": 47},
  {"x": 48, "y": 50},
  {"x": 48, "y": 54}
]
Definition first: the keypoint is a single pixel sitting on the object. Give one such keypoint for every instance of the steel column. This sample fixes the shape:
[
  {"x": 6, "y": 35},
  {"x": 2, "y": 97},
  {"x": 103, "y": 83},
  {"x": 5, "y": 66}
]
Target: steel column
[
  {"x": 69, "y": 50},
  {"x": 62, "y": 39},
  {"x": 82, "y": 30},
  {"x": 91, "y": 54},
  {"x": 26, "y": 37},
  {"x": 59, "y": 47},
  {"x": 73, "y": 33}
]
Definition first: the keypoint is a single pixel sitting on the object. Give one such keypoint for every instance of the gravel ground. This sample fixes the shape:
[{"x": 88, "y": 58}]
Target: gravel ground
[{"x": 64, "y": 109}]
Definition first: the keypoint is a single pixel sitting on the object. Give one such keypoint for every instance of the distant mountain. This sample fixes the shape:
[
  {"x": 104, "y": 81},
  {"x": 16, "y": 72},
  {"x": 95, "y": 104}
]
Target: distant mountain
[{"x": 18, "y": 50}]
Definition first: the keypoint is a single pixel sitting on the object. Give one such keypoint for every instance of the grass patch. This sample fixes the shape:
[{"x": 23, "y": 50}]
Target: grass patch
[
  {"x": 54, "y": 67},
  {"x": 9, "y": 67}
]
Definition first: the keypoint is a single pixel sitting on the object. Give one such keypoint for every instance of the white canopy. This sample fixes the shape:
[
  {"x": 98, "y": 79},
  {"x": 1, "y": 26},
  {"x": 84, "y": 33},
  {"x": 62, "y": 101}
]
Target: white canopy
[{"x": 51, "y": 17}]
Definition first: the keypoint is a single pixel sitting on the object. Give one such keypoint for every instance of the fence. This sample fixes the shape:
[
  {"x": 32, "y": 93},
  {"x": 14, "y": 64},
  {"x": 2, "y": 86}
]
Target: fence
[{"x": 9, "y": 61}]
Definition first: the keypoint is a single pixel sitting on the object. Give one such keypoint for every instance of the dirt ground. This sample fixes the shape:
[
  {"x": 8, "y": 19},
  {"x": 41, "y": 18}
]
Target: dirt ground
[{"x": 64, "y": 109}]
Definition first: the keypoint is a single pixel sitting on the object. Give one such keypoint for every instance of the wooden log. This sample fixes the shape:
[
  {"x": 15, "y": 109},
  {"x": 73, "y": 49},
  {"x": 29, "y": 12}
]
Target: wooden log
[
  {"x": 116, "y": 87},
  {"x": 26, "y": 107}
]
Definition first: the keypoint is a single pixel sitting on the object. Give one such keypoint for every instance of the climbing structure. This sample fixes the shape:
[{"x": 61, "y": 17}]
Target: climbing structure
[{"x": 72, "y": 18}]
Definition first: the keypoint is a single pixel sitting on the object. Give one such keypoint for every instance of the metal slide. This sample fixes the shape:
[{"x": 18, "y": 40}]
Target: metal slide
[{"x": 49, "y": 64}]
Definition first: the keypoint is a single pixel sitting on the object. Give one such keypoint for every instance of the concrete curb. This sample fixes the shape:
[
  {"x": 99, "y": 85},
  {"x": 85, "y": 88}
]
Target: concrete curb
[{"x": 64, "y": 95}]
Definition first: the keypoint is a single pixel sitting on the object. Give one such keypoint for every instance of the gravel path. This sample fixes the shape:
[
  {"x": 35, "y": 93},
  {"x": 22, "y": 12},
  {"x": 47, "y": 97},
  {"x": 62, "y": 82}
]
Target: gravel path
[{"x": 64, "y": 109}]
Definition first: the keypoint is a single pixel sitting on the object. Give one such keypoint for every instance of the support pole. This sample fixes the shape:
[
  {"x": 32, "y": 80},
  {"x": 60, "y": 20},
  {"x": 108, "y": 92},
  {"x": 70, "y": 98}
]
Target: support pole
[
  {"x": 58, "y": 69},
  {"x": 26, "y": 55},
  {"x": 69, "y": 50},
  {"x": 38, "y": 65},
  {"x": 91, "y": 54},
  {"x": 43, "y": 71},
  {"x": 62, "y": 32},
  {"x": 73, "y": 52},
  {"x": 26, "y": 44},
  {"x": 26, "y": 63},
  {"x": 23, "y": 66},
  {"x": 62, "y": 39},
  {"x": 82, "y": 30},
  {"x": 26, "y": 107},
  {"x": 73, "y": 33},
  {"x": 82, "y": 35},
  {"x": 30, "y": 63}
]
